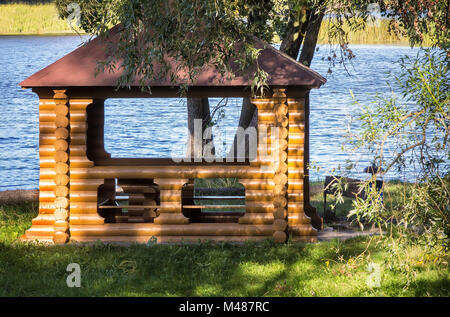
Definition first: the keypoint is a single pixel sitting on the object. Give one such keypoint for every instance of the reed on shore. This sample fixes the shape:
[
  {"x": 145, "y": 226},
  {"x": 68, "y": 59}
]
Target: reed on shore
[
  {"x": 42, "y": 19},
  {"x": 31, "y": 19}
]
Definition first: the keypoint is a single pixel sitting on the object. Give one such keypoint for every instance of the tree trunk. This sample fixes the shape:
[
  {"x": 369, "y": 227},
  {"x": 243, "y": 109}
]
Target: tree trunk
[
  {"x": 198, "y": 109},
  {"x": 312, "y": 34},
  {"x": 306, "y": 56}
]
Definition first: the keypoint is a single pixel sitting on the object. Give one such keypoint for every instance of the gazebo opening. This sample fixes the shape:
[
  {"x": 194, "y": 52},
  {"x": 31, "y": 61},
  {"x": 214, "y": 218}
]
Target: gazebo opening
[
  {"x": 128, "y": 200},
  {"x": 213, "y": 200}
]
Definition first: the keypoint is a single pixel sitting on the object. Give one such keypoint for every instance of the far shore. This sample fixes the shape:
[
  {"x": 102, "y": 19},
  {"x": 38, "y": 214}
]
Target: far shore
[{"x": 21, "y": 19}]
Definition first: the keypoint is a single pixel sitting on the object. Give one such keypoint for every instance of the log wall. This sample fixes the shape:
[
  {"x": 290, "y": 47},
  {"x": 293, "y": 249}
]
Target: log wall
[{"x": 69, "y": 180}]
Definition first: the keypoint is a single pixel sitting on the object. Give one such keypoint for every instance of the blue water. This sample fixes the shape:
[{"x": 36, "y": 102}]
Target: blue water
[{"x": 156, "y": 128}]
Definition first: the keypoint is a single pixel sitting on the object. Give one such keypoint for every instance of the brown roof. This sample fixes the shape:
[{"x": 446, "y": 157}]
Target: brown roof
[{"x": 78, "y": 69}]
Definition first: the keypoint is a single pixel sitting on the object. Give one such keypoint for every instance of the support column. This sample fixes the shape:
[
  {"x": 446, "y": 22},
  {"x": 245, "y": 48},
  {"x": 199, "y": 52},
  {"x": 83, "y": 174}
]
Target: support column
[
  {"x": 170, "y": 211},
  {"x": 280, "y": 178},
  {"x": 299, "y": 223},
  {"x": 62, "y": 140},
  {"x": 83, "y": 188},
  {"x": 259, "y": 191}
]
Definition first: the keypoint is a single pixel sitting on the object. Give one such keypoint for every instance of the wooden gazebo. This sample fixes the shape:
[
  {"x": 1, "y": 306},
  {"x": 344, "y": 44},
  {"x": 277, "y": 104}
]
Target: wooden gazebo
[{"x": 79, "y": 179}]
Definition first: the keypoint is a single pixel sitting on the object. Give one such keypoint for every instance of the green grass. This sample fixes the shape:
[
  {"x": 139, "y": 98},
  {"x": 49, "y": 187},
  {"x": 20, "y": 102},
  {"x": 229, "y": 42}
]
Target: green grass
[
  {"x": 31, "y": 19},
  {"x": 253, "y": 269}
]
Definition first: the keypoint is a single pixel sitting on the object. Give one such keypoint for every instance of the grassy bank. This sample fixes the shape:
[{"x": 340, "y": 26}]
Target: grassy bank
[
  {"x": 255, "y": 269},
  {"x": 31, "y": 19}
]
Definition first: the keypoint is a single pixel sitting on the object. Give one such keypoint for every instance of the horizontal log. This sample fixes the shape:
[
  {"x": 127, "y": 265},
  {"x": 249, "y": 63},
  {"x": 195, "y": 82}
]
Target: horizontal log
[
  {"x": 267, "y": 117},
  {"x": 78, "y": 127},
  {"x": 47, "y": 115},
  {"x": 83, "y": 208},
  {"x": 296, "y": 116},
  {"x": 46, "y": 173},
  {"x": 295, "y": 207},
  {"x": 257, "y": 184},
  {"x": 297, "y": 103},
  {"x": 80, "y": 162},
  {"x": 171, "y": 172},
  {"x": 47, "y": 139},
  {"x": 78, "y": 150},
  {"x": 295, "y": 173},
  {"x": 263, "y": 104},
  {"x": 46, "y": 207},
  {"x": 43, "y": 220},
  {"x": 86, "y": 196},
  {"x": 46, "y": 150},
  {"x": 47, "y": 162},
  {"x": 296, "y": 138},
  {"x": 86, "y": 219},
  {"x": 78, "y": 138},
  {"x": 77, "y": 116},
  {"x": 167, "y": 239},
  {"x": 258, "y": 195},
  {"x": 39, "y": 231},
  {"x": 302, "y": 230},
  {"x": 295, "y": 184},
  {"x": 295, "y": 196},
  {"x": 257, "y": 218},
  {"x": 259, "y": 207},
  {"x": 85, "y": 184},
  {"x": 298, "y": 218},
  {"x": 80, "y": 103},
  {"x": 61, "y": 226},
  {"x": 171, "y": 218},
  {"x": 193, "y": 229},
  {"x": 46, "y": 196},
  {"x": 47, "y": 127},
  {"x": 294, "y": 164}
]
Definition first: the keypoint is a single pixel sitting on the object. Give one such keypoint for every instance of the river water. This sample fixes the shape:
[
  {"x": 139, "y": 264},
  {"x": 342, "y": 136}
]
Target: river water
[{"x": 156, "y": 127}]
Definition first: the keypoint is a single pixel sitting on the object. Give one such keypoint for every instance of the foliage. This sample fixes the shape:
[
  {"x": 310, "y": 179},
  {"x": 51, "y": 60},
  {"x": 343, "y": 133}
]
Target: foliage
[{"x": 412, "y": 132}]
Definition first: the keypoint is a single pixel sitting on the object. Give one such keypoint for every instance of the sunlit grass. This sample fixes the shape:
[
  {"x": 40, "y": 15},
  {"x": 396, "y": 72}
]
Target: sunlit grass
[{"x": 336, "y": 268}]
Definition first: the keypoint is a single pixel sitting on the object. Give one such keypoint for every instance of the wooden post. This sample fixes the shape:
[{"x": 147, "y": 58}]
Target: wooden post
[
  {"x": 170, "y": 211},
  {"x": 299, "y": 224},
  {"x": 61, "y": 145},
  {"x": 259, "y": 190},
  {"x": 280, "y": 178},
  {"x": 83, "y": 187}
]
